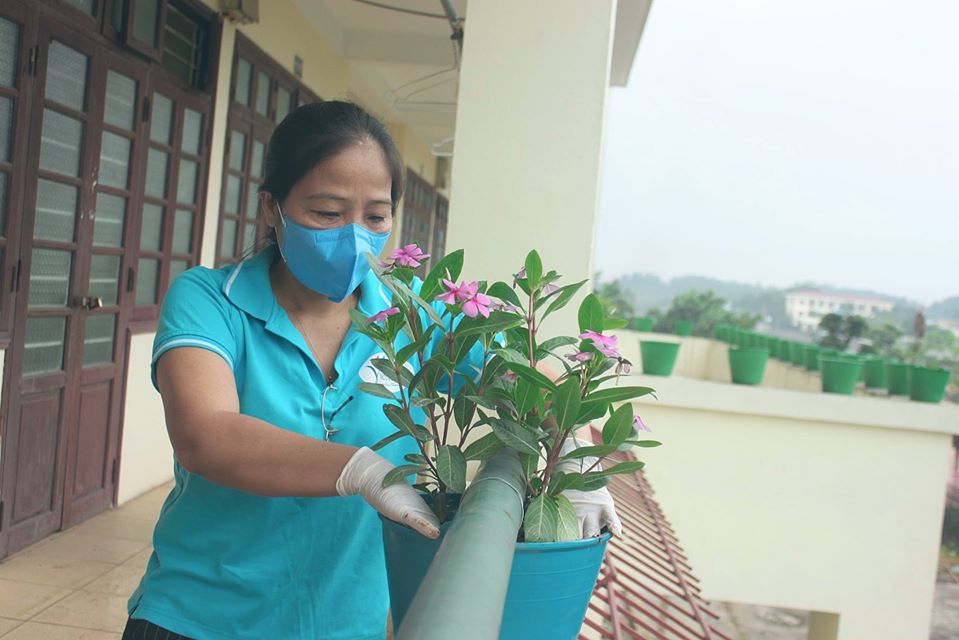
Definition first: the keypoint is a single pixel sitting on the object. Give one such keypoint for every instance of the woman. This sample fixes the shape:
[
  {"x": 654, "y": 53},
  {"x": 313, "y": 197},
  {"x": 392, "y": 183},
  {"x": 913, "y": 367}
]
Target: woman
[{"x": 258, "y": 369}]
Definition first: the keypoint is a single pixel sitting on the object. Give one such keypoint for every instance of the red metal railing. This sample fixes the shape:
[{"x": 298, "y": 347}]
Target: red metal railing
[{"x": 646, "y": 588}]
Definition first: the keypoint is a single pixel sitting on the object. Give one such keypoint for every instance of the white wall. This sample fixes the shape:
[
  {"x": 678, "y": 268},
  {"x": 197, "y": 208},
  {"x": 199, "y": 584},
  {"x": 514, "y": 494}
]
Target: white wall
[
  {"x": 146, "y": 457},
  {"x": 529, "y": 133},
  {"x": 805, "y": 500}
]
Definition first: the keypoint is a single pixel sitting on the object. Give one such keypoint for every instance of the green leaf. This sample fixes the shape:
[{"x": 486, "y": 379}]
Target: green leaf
[
  {"x": 451, "y": 466},
  {"x": 377, "y": 390},
  {"x": 591, "y": 315},
  {"x": 596, "y": 451},
  {"x": 615, "y": 323},
  {"x": 647, "y": 444},
  {"x": 534, "y": 269},
  {"x": 630, "y": 466},
  {"x": 567, "y": 522},
  {"x": 483, "y": 448},
  {"x": 619, "y": 426},
  {"x": 402, "y": 421},
  {"x": 463, "y": 408},
  {"x": 541, "y": 518},
  {"x": 387, "y": 368},
  {"x": 590, "y": 411},
  {"x": 419, "y": 403},
  {"x": 593, "y": 481},
  {"x": 562, "y": 297},
  {"x": 515, "y": 436},
  {"x": 555, "y": 343},
  {"x": 388, "y": 439},
  {"x": 398, "y": 474},
  {"x": 416, "y": 458},
  {"x": 532, "y": 375},
  {"x": 504, "y": 292},
  {"x": 566, "y": 402},
  {"x": 525, "y": 394},
  {"x": 419, "y": 344},
  {"x": 561, "y": 481},
  {"x": 497, "y": 321},
  {"x": 510, "y": 355},
  {"x": 430, "y": 311},
  {"x": 618, "y": 394},
  {"x": 529, "y": 463},
  {"x": 449, "y": 267}
]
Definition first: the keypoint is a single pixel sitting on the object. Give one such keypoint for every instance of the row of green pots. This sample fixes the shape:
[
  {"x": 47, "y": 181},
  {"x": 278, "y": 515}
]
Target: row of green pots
[
  {"x": 682, "y": 327},
  {"x": 840, "y": 372}
]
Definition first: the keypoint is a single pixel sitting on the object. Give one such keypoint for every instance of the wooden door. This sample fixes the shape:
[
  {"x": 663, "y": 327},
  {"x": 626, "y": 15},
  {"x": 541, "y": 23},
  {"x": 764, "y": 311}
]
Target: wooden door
[{"x": 65, "y": 362}]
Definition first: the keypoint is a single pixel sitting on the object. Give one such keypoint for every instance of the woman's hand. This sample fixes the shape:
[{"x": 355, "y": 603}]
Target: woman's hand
[
  {"x": 595, "y": 509},
  {"x": 363, "y": 475}
]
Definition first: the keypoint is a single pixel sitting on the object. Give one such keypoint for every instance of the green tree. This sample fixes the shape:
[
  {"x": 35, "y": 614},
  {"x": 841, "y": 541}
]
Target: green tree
[
  {"x": 882, "y": 337},
  {"x": 704, "y": 309},
  {"x": 614, "y": 299},
  {"x": 841, "y": 330}
]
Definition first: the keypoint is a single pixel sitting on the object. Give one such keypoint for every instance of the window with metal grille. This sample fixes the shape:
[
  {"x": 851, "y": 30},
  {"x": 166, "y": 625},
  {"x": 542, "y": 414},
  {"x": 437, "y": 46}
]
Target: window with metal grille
[{"x": 262, "y": 93}]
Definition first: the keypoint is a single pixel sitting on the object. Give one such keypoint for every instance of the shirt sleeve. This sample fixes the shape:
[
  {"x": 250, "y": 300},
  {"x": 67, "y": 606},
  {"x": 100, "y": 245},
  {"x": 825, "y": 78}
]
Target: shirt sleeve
[{"x": 196, "y": 313}]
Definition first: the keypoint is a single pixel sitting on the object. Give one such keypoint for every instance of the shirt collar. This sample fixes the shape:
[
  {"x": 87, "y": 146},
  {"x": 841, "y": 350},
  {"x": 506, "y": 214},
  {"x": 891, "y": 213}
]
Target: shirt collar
[{"x": 248, "y": 287}]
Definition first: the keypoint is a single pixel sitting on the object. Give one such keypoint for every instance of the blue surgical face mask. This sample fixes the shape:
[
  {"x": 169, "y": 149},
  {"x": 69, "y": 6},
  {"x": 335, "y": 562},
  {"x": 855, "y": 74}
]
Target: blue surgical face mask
[{"x": 329, "y": 261}]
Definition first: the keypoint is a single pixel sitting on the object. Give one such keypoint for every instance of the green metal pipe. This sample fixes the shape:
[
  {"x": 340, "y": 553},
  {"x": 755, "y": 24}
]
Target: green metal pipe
[{"x": 463, "y": 592}]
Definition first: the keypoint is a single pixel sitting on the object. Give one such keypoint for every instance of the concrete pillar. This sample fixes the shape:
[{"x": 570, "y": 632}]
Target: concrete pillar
[
  {"x": 823, "y": 626},
  {"x": 529, "y": 137}
]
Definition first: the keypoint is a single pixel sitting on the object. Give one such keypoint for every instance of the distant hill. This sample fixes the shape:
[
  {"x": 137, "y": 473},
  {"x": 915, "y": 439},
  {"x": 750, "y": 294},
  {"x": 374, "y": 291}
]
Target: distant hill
[
  {"x": 647, "y": 291},
  {"x": 947, "y": 309}
]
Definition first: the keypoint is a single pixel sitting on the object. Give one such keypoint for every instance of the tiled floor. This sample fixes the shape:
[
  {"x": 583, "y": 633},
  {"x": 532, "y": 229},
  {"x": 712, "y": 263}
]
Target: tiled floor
[{"x": 74, "y": 585}]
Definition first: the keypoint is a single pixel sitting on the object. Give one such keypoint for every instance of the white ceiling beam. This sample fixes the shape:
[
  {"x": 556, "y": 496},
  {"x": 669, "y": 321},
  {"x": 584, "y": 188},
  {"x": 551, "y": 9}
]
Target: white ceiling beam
[{"x": 397, "y": 48}]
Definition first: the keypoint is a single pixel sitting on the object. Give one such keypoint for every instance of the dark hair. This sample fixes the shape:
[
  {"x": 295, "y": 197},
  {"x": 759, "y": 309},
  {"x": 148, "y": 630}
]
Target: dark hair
[{"x": 310, "y": 134}]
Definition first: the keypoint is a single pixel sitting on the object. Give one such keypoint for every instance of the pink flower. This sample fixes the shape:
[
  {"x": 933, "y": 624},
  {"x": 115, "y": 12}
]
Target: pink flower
[
  {"x": 384, "y": 314},
  {"x": 505, "y": 306},
  {"x": 550, "y": 289},
  {"x": 509, "y": 376},
  {"x": 624, "y": 366},
  {"x": 639, "y": 425},
  {"x": 454, "y": 293},
  {"x": 580, "y": 356},
  {"x": 408, "y": 256},
  {"x": 477, "y": 303},
  {"x": 605, "y": 344}
]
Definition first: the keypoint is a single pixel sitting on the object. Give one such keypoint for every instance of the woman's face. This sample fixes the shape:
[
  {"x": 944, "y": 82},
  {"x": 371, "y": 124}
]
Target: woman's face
[{"x": 352, "y": 186}]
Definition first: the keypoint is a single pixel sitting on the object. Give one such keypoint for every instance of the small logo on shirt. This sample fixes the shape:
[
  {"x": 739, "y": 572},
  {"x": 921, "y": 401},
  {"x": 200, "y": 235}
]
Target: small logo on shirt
[{"x": 369, "y": 373}]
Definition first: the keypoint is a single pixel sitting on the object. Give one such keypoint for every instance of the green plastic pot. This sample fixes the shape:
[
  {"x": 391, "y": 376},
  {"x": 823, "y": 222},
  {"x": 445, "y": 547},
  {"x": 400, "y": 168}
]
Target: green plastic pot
[
  {"x": 784, "y": 350},
  {"x": 897, "y": 378},
  {"x": 659, "y": 358},
  {"x": 747, "y": 365},
  {"x": 812, "y": 357},
  {"x": 874, "y": 373},
  {"x": 684, "y": 328},
  {"x": 643, "y": 324},
  {"x": 797, "y": 353},
  {"x": 927, "y": 384},
  {"x": 839, "y": 375}
]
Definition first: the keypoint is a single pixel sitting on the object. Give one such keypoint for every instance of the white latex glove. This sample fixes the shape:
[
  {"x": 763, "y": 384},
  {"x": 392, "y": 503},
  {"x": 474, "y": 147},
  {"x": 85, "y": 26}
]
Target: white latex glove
[
  {"x": 595, "y": 509},
  {"x": 363, "y": 475}
]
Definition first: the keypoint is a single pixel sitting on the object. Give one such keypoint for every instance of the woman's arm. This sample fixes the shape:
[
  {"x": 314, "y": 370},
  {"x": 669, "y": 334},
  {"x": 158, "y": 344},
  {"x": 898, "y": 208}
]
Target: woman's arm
[{"x": 213, "y": 439}]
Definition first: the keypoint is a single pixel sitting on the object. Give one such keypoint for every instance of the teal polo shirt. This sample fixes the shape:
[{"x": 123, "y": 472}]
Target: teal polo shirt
[{"x": 228, "y": 564}]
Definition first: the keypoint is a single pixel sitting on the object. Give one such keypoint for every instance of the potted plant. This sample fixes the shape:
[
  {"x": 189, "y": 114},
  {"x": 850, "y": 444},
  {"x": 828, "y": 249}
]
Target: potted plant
[
  {"x": 747, "y": 365},
  {"x": 927, "y": 384},
  {"x": 658, "y": 357},
  {"x": 839, "y": 374},
  {"x": 897, "y": 375},
  {"x": 684, "y": 328},
  {"x": 874, "y": 373},
  {"x": 456, "y": 415},
  {"x": 644, "y": 324}
]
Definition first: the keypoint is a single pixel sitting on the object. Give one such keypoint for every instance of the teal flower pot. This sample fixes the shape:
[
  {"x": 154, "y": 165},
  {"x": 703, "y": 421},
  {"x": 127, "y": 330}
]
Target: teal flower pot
[
  {"x": 550, "y": 583},
  {"x": 874, "y": 373},
  {"x": 684, "y": 328},
  {"x": 897, "y": 378},
  {"x": 839, "y": 375},
  {"x": 747, "y": 366},
  {"x": 659, "y": 358},
  {"x": 927, "y": 384}
]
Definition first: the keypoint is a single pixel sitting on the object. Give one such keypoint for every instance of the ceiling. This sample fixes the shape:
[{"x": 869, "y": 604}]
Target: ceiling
[{"x": 402, "y": 66}]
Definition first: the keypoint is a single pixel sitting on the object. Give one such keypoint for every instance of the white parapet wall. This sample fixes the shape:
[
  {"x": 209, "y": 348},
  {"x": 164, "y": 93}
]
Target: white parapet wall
[{"x": 801, "y": 499}]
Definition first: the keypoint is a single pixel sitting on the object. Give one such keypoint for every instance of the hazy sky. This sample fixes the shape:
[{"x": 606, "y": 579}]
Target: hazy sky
[{"x": 777, "y": 142}]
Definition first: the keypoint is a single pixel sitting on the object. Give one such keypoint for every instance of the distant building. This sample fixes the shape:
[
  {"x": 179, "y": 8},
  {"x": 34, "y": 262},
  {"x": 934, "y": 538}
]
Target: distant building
[{"x": 806, "y": 307}]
